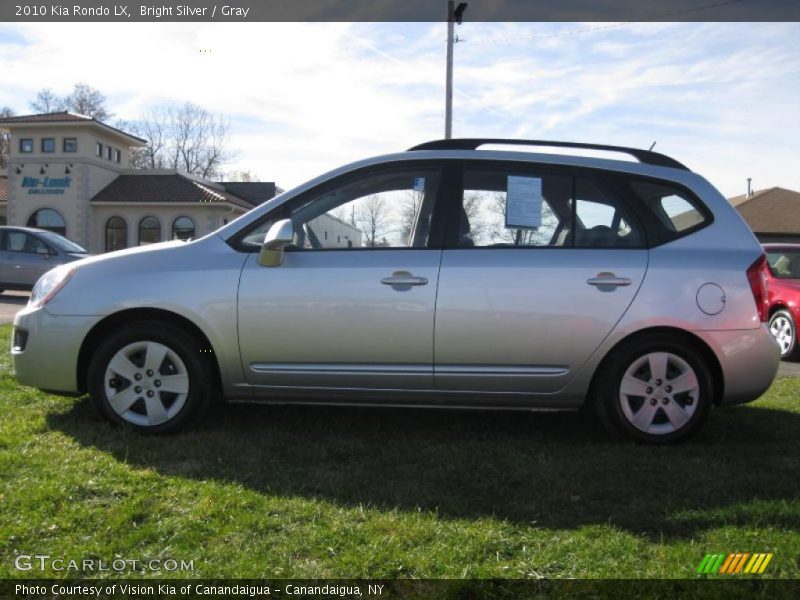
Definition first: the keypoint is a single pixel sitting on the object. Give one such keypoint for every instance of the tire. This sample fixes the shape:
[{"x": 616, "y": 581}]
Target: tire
[
  {"x": 637, "y": 393},
  {"x": 130, "y": 387},
  {"x": 784, "y": 329}
]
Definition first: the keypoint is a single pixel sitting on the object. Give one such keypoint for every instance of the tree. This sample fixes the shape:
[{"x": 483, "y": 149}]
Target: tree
[
  {"x": 84, "y": 100},
  {"x": 5, "y": 138},
  {"x": 371, "y": 216},
  {"x": 186, "y": 138},
  {"x": 47, "y": 102}
]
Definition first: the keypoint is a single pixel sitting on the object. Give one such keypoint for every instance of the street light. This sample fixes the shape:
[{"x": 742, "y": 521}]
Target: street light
[{"x": 455, "y": 14}]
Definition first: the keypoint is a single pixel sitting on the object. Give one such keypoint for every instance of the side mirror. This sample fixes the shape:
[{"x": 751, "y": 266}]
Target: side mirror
[{"x": 278, "y": 237}]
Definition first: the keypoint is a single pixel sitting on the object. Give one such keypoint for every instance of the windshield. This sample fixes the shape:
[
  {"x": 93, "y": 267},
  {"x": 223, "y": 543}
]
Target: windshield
[
  {"x": 785, "y": 264},
  {"x": 61, "y": 243}
]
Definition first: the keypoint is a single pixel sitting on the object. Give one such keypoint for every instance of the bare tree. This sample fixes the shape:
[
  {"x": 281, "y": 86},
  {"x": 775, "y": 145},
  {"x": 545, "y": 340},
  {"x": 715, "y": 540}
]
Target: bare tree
[
  {"x": 187, "y": 138},
  {"x": 371, "y": 216},
  {"x": 47, "y": 102},
  {"x": 88, "y": 101},
  {"x": 5, "y": 138}
]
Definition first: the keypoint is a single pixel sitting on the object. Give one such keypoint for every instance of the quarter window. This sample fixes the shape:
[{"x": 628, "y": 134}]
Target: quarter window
[
  {"x": 149, "y": 231},
  {"x": 675, "y": 210},
  {"x": 26, "y": 145}
]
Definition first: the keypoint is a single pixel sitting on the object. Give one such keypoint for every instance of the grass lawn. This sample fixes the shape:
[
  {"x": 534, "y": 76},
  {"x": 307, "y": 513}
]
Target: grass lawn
[{"x": 339, "y": 492}]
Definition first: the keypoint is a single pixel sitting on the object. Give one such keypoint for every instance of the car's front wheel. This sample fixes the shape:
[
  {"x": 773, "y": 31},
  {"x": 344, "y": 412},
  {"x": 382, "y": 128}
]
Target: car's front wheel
[
  {"x": 659, "y": 391},
  {"x": 149, "y": 376},
  {"x": 782, "y": 327}
]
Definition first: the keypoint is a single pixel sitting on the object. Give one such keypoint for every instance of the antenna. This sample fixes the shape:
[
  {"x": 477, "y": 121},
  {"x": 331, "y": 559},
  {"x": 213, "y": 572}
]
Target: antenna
[{"x": 653, "y": 145}]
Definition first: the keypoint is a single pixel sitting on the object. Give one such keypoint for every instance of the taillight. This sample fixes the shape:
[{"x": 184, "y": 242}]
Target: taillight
[{"x": 757, "y": 277}]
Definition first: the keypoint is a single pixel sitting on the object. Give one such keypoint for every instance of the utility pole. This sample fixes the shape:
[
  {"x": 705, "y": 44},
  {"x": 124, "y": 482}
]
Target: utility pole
[{"x": 454, "y": 15}]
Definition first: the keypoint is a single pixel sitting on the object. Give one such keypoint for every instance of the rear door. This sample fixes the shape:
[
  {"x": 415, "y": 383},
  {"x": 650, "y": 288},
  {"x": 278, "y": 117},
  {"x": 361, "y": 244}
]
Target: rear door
[{"x": 541, "y": 267}]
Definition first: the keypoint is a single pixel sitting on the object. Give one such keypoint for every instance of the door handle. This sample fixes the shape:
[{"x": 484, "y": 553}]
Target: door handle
[
  {"x": 403, "y": 278},
  {"x": 609, "y": 280}
]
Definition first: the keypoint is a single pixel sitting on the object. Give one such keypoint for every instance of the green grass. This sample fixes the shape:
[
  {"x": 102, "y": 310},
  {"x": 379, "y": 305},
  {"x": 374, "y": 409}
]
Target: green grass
[{"x": 339, "y": 492}]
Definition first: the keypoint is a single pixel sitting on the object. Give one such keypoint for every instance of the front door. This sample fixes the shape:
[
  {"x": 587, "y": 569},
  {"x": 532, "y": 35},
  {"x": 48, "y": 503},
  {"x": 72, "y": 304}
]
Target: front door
[
  {"x": 544, "y": 265},
  {"x": 352, "y": 305}
]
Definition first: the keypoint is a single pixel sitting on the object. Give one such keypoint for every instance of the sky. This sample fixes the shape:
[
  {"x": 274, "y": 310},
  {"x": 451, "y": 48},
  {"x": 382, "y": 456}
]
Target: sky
[{"x": 304, "y": 98}]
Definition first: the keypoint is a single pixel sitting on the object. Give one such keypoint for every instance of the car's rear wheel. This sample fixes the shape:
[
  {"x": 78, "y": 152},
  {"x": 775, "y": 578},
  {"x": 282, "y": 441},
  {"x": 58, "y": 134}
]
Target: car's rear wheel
[
  {"x": 783, "y": 328},
  {"x": 149, "y": 376},
  {"x": 658, "y": 391}
]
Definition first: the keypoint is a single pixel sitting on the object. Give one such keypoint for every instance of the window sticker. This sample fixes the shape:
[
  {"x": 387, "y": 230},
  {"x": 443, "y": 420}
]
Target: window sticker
[
  {"x": 524, "y": 202},
  {"x": 419, "y": 184}
]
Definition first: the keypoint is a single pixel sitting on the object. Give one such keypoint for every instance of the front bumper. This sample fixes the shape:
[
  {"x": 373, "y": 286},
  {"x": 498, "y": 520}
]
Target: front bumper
[
  {"x": 49, "y": 358},
  {"x": 749, "y": 359}
]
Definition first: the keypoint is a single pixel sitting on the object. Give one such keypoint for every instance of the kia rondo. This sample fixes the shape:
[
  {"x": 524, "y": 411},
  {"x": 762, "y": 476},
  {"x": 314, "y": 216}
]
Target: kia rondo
[{"x": 461, "y": 273}]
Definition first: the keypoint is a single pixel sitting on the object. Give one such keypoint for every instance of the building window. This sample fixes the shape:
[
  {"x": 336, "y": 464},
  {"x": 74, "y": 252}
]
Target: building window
[
  {"x": 149, "y": 231},
  {"x": 47, "y": 218},
  {"x": 117, "y": 156},
  {"x": 26, "y": 145},
  {"x": 116, "y": 234},
  {"x": 98, "y": 150},
  {"x": 108, "y": 152},
  {"x": 183, "y": 229},
  {"x": 48, "y": 145},
  {"x": 70, "y": 144}
]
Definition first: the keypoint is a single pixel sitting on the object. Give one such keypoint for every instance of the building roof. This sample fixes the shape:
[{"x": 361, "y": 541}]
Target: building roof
[
  {"x": 3, "y": 188},
  {"x": 254, "y": 192},
  {"x": 167, "y": 188},
  {"x": 773, "y": 210},
  {"x": 63, "y": 117}
]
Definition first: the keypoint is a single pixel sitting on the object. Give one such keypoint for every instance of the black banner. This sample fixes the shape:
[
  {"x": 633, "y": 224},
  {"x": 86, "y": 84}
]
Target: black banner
[
  {"x": 425, "y": 589},
  {"x": 397, "y": 10}
]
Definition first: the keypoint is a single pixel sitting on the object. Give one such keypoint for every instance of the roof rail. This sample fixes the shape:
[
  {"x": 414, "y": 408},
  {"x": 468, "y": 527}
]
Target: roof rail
[{"x": 643, "y": 156}]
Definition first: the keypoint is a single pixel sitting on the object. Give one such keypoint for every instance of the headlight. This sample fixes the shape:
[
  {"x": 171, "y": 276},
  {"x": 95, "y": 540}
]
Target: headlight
[{"x": 50, "y": 284}]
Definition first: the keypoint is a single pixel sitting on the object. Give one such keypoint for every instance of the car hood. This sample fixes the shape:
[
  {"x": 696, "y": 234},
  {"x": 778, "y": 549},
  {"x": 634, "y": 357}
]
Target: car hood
[{"x": 117, "y": 254}]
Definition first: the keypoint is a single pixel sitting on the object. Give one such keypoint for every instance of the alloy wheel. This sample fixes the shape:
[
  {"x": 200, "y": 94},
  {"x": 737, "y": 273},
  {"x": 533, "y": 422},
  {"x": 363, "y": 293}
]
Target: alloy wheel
[
  {"x": 659, "y": 393},
  {"x": 146, "y": 383},
  {"x": 781, "y": 328}
]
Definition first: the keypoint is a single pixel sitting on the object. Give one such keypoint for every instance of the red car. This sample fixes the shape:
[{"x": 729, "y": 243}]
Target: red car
[{"x": 783, "y": 289}]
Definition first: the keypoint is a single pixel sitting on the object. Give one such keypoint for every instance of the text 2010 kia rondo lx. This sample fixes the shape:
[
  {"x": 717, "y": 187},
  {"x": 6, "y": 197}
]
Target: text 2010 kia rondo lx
[{"x": 447, "y": 276}]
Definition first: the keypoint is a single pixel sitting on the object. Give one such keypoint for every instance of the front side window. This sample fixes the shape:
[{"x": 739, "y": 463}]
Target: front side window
[
  {"x": 19, "y": 241},
  {"x": 784, "y": 264},
  {"x": 47, "y": 218},
  {"x": 390, "y": 209},
  {"x": 116, "y": 234},
  {"x": 26, "y": 145},
  {"x": 70, "y": 144},
  {"x": 48, "y": 145},
  {"x": 508, "y": 208},
  {"x": 149, "y": 231}
]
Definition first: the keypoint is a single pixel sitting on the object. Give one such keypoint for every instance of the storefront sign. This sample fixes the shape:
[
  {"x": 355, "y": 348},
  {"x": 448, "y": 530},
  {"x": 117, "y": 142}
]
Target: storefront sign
[{"x": 46, "y": 185}]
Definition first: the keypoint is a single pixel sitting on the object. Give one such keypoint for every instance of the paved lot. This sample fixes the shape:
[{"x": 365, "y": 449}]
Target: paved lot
[{"x": 11, "y": 302}]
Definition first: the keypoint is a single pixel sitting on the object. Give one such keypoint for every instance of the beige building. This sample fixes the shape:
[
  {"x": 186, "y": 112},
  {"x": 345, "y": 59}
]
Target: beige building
[
  {"x": 71, "y": 174},
  {"x": 773, "y": 214}
]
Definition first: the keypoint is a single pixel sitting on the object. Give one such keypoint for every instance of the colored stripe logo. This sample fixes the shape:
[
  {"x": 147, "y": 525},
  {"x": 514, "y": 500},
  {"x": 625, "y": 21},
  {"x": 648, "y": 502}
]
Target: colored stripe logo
[{"x": 735, "y": 564}]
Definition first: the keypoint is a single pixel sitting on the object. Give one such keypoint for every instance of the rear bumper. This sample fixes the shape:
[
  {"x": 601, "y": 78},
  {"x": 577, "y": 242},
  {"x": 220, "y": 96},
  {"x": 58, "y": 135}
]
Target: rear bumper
[
  {"x": 749, "y": 360},
  {"x": 49, "y": 359}
]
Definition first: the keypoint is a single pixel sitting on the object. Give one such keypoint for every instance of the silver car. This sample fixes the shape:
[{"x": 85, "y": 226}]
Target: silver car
[
  {"x": 28, "y": 253},
  {"x": 452, "y": 275}
]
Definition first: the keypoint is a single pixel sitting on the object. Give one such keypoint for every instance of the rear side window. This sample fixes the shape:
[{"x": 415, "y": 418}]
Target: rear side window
[
  {"x": 601, "y": 219},
  {"x": 676, "y": 211}
]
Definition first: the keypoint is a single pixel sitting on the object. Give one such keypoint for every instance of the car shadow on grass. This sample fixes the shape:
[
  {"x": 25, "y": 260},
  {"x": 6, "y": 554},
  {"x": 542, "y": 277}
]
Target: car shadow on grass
[{"x": 555, "y": 470}]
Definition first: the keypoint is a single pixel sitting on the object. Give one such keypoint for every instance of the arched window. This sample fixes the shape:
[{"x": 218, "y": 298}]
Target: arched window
[
  {"x": 149, "y": 231},
  {"x": 47, "y": 218},
  {"x": 116, "y": 234},
  {"x": 183, "y": 228}
]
